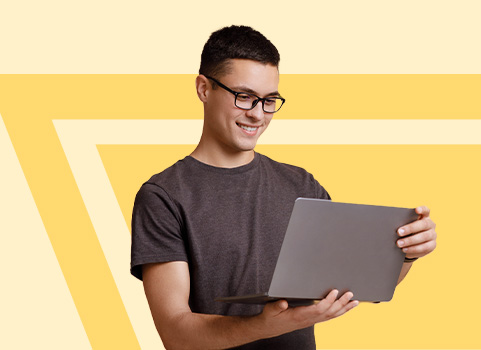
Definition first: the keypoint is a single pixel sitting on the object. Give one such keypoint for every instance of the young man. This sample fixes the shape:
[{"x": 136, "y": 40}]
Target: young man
[{"x": 213, "y": 223}]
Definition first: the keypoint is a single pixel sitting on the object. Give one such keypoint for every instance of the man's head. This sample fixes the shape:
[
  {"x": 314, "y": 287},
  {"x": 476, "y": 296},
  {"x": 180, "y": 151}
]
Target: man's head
[
  {"x": 233, "y": 42},
  {"x": 245, "y": 65}
]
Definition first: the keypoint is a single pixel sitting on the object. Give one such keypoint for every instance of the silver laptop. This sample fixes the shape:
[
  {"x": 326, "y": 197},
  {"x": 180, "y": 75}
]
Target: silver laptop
[{"x": 343, "y": 246}]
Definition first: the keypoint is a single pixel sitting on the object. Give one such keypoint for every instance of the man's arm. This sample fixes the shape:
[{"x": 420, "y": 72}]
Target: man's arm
[
  {"x": 418, "y": 238},
  {"x": 404, "y": 271},
  {"x": 167, "y": 287}
]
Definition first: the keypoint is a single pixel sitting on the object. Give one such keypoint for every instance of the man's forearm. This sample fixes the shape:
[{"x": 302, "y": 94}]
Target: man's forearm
[
  {"x": 187, "y": 330},
  {"x": 201, "y": 331}
]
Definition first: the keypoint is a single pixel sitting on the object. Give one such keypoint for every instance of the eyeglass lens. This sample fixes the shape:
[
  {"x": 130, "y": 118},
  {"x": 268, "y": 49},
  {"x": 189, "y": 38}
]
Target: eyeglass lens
[{"x": 248, "y": 101}]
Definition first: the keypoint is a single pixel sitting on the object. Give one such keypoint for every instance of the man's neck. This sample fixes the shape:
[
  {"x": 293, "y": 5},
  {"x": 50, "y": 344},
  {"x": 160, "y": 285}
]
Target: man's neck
[{"x": 222, "y": 158}]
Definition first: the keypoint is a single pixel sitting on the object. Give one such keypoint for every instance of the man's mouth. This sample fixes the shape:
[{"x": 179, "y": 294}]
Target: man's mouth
[{"x": 247, "y": 128}]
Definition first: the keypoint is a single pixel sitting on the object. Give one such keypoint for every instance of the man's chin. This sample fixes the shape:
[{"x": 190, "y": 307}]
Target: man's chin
[{"x": 247, "y": 148}]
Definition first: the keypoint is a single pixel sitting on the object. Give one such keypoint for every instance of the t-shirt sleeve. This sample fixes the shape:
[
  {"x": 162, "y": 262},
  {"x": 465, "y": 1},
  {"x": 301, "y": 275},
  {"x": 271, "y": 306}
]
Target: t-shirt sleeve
[
  {"x": 156, "y": 229},
  {"x": 321, "y": 192}
]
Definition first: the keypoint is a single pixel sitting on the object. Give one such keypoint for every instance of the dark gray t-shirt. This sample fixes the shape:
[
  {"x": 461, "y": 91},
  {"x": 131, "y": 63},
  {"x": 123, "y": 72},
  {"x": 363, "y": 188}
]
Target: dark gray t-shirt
[{"x": 228, "y": 224}]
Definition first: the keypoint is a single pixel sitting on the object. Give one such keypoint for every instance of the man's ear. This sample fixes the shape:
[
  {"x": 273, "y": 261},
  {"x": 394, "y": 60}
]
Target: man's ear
[{"x": 202, "y": 87}]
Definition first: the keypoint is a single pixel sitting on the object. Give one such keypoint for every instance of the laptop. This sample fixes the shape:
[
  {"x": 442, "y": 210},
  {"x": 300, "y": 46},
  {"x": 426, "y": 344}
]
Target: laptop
[{"x": 331, "y": 245}]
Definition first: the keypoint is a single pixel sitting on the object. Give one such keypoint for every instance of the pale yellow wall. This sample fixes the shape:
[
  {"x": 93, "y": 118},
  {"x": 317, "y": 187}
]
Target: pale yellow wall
[
  {"x": 67, "y": 186},
  {"x": 346, "y": 36}
]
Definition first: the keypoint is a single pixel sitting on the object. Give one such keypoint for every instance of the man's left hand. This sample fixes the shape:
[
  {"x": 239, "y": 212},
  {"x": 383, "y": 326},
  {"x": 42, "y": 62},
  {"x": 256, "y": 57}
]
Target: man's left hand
[{"x": 421, "y": 234}]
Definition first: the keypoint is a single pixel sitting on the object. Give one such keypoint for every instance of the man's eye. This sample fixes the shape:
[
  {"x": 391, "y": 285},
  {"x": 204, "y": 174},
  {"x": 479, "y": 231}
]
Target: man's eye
[
  {"x": 270, "y": 101},
  {"x": 244, "y": 97}
]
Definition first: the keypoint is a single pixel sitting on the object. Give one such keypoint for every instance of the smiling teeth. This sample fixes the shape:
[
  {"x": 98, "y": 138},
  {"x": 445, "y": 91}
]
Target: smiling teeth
[{"x": 247, "y": 128}]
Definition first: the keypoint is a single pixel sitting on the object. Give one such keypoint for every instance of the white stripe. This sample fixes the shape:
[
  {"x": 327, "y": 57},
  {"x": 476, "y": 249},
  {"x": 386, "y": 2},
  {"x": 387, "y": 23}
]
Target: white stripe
[
  {"x": 282, "y": 131},
  {"x": 80, "y": 137},
  {"x": 37, "y": 310},
  {"x": 373, "y": 132}
]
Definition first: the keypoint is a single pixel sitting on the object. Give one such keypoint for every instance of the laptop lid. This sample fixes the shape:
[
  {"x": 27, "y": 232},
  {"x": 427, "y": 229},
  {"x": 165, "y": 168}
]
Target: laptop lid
[
  {"x": 349, "y": 247},
  {"x": 327, "y": 245}
]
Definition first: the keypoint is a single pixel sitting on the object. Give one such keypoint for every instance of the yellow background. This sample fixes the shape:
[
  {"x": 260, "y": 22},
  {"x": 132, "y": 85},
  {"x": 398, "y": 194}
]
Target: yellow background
[{"x": 61, "y": 285}]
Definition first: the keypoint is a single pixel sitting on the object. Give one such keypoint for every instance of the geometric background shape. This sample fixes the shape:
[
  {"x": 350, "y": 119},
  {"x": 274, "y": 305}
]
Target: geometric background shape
[
  {"x": 29, "y": 104},
  {"x": 83, "y": 139},
  {"x": 376, "y": 174},
  {"x": 37, "y": 310}
]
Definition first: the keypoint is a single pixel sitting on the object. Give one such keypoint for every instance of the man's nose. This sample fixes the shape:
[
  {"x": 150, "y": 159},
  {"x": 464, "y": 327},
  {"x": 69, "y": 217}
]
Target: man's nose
[{"x": 257, "y": 112}]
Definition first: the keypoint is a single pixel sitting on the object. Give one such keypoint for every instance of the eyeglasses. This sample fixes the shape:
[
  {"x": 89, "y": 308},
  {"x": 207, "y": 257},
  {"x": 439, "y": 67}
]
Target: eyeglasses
[{"x": 247, "y": 101}]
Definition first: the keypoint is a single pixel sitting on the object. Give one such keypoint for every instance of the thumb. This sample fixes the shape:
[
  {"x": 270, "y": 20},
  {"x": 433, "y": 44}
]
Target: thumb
[{"x": 275, "y": 308}]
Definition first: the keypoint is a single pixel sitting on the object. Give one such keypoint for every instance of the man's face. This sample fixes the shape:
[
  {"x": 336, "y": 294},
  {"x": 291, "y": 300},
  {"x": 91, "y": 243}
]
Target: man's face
[{"x": 228, "y": 127}]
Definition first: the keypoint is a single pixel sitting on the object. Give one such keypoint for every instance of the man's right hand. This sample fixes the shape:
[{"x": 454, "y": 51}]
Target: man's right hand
[{"x": 280, "y": 319}]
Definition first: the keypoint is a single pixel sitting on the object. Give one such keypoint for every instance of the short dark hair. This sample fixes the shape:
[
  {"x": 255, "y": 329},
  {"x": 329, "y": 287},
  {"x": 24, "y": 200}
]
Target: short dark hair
[{"x": 235, "y": 42}]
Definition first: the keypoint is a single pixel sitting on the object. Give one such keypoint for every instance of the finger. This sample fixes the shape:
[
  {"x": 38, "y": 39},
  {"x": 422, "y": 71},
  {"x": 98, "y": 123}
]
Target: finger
[
  {"x": 346, "y": 297},
  {"x": 416, "y": 226},
  {"x": 420, "y": 250},
  {"x": 423, "y": 210},
  {"x": 327, "y": 302},
  {"x": 419, "y": 238},
  {"x": 330, "y": 298},
  {"x": 339, "y": 304},
  {"x": 275, "y": 308},
  {"x": 351, "y": 305}
]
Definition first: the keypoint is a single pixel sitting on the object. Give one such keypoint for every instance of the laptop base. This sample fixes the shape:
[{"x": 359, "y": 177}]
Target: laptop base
[{"x": 264, "y": 299}]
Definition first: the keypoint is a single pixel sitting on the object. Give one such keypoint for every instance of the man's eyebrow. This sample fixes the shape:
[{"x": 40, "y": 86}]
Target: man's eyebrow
[{"x": 246, "y": 89}]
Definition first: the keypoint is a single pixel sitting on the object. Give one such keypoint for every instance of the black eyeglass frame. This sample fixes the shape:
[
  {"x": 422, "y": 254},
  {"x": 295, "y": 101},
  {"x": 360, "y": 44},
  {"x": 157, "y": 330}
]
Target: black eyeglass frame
[{"x": 254, "y": 103}]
